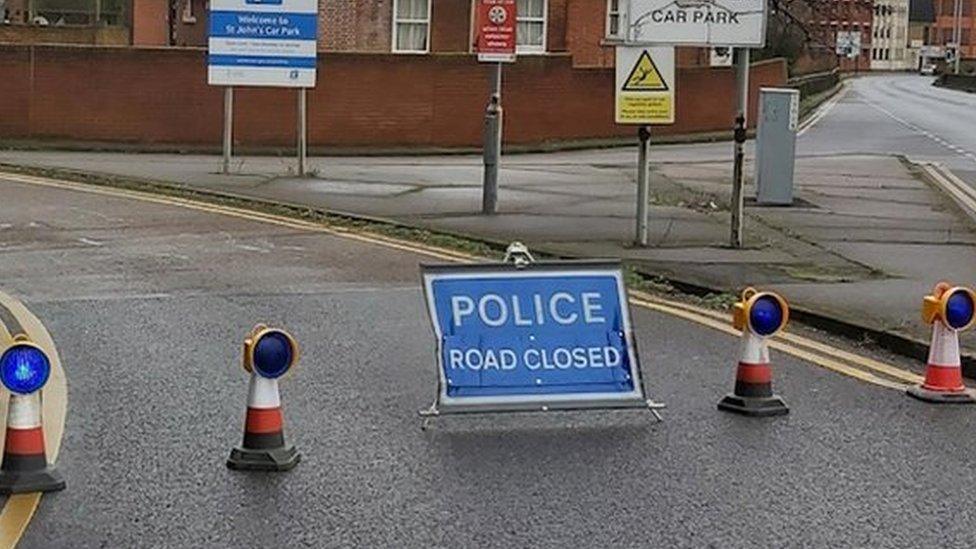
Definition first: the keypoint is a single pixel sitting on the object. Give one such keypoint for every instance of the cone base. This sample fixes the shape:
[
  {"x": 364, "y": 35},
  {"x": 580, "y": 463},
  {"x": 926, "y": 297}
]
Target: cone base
[
  {"x": 755, "y": 407},
  {"x": 276, "y": 459},
  {"x": 966, "y": 396},
  {"x": 45, "y": 480}
]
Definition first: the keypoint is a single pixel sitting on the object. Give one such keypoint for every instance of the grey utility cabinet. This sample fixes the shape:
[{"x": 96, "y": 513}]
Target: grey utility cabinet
[{"x": 779, "y": 112}]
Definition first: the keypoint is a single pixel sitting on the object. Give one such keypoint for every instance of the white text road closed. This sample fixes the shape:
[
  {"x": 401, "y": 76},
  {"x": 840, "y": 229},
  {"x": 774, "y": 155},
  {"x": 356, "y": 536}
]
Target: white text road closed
[
  {"x": 739, "y": 23},
  {"x": 552, "y": 335},
  {"x": 644, "y": 85}
]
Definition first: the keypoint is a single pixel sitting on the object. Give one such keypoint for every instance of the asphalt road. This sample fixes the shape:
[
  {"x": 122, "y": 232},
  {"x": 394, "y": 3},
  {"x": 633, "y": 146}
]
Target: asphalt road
[{"x": 148, "y": 304}]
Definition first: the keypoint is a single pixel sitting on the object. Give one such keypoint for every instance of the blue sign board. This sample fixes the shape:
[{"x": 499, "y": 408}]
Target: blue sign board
[
  {"x": 263, "y": 43},
  {"x": 547, "y": 336}
]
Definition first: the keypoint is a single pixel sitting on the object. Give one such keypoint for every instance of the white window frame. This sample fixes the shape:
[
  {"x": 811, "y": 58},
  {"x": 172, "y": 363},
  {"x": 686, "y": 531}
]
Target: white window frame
[
  {"x": 620, "y": 20},
  {"x": 396, "y": 26},
  {"x": 535, "y": 49}
]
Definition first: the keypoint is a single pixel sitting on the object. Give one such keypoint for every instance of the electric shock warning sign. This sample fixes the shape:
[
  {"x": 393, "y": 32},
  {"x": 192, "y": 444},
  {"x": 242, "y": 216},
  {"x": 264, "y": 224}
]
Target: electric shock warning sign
[{"x": 645, "y": 85}]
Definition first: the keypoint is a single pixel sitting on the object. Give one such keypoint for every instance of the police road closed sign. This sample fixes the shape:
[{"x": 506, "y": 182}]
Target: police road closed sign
[
  {"x": 739, "y": 23},
  {"x": 552, "y": 336},
  {"x": 644, "y": 85},
  {"x": 263, "y": 43}
]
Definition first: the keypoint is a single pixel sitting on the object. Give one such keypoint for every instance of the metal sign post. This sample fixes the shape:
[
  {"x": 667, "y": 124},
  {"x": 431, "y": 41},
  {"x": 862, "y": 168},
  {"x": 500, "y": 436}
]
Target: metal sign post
[
  {"x": 740, "y": 24},
  {"x": 644, "y": 138},
  {"x": 492, "y": 151},
  {"x": 269, "y": 43},
  {"x": 644, "y": 95},
  {"x": 741, "y": 125},
  {"x": 302, "y": 130},
  {"x": 228, "y": 127},
  {"x": 496, "y": 25}
]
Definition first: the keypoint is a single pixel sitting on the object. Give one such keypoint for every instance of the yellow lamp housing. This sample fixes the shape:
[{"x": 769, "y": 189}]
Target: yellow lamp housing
[
  {"x": 936, "y": 306},
  {"x": 771, "y": 315},
  {"x": 260, "y": 332}
]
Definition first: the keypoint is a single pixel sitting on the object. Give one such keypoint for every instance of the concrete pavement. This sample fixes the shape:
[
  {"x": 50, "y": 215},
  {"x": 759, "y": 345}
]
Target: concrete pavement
[{"x": 148, "y": 304}]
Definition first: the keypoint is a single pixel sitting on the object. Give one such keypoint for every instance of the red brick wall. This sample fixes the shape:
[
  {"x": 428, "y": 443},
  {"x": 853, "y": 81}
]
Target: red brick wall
[
  {"x": 585, "y": 31},
  {"x": 117, "y": 94},
  {"x": 356, "y": 25},
  {"x": 190, "y": 28},
  {"x": 150, "y": 23},
  {"x": 450, "y": 26},
  {"x": 558, "y": 23}
]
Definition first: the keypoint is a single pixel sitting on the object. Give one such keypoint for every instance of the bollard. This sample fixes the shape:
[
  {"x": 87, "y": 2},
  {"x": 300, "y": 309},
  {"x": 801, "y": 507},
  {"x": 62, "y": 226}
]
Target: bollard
[
  {"x": 24, "y": 370},
  {"x": 759, "y": 315},
  {"x": 269, "y": 354},
  {"x": 492, "y": 155},
  {"x": 949, "y": 310}
]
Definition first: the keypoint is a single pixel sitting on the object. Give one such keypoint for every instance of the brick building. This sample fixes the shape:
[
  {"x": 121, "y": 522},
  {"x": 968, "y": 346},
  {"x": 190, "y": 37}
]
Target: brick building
[
  {"x": 103, "y": 22},
  {"x": 833, "y": 16},
  {"x": 578, "y": 27},
  {"x": 941, "y": 30},
  {"x": 890, "y": 36}
]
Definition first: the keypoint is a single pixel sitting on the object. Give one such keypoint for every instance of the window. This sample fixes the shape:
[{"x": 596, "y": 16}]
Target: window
[
  {"x": 87, "y": 13},
  {"x": 613, "y": 19},
  {"x": 531, "y": 31},
  {"x": 411, "y": 26}
]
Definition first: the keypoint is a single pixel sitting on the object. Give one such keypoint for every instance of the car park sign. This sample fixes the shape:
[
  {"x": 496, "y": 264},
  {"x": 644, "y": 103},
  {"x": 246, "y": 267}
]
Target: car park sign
[
  {"x": 546, "y": 336},
  {"x": 263, "y": 43},
  {"x": 736, "y": 23}
]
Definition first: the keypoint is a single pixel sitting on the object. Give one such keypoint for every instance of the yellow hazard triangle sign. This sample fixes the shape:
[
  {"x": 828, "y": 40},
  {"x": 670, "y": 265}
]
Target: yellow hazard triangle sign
[{"x": 645, "y": 76}]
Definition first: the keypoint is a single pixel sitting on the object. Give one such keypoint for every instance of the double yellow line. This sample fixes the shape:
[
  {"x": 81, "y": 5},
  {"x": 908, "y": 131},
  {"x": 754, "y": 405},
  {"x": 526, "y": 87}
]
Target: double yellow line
[
  {"x": 823, "y": 355},
  {"x": 18, "y": 510}
]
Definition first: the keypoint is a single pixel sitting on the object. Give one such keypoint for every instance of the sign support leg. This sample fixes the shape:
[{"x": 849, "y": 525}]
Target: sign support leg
[
  {"x": 228, "y": 127},
  {"x": 492, "y": 144},
  {"x": 644, "y": 136},
  {"x": 302, "y": 130},
  {"x": 742, "y": 86}
]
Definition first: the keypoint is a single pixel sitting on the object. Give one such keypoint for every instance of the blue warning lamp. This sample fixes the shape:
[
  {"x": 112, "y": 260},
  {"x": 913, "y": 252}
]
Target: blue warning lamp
[
  {"x": 24, "y": 367},
  {"x": 953, "y": 306},
  {"x": 269, "y": 352},
  {"x": 762, "y": 313}
]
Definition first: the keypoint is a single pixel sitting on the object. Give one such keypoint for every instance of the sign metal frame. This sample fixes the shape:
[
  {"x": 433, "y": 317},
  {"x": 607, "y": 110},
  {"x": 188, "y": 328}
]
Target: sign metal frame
[{"x": 446, "y": 404}]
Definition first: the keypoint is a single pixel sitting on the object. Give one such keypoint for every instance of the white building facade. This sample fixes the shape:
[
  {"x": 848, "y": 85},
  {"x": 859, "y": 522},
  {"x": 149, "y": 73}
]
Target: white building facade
[{"x": 889, "y": 36}]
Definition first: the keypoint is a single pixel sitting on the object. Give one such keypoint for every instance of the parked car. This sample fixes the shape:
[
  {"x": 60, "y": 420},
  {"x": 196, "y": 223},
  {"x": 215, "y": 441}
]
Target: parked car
[{"x": 928, "y": 69}]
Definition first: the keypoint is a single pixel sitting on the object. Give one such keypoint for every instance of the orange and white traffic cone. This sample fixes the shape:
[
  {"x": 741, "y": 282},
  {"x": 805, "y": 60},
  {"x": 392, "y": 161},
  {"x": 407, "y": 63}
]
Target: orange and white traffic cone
[
  {"x": 949, "y": 310},
  {"x": 759, "y": 315},
  {"x": 264, "y": 447},
  {"x": 25, "y": 467},
  {"x": 753, "y": 394}
]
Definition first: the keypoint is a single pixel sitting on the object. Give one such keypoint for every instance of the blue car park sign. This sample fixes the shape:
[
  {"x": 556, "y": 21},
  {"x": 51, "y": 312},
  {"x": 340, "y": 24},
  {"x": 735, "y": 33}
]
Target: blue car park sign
[
  {"x": 263, "y": 43},
  {"x": 542, "y": 336}
]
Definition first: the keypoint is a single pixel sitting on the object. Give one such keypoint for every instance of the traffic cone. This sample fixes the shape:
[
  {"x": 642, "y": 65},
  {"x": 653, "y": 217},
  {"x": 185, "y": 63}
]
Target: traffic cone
[
  {"x": 943, "y": 372},
  {"x": 753, "y": 395},
  {"x": 25, "y": 467},
  {"x": 264, "y": 446}
]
